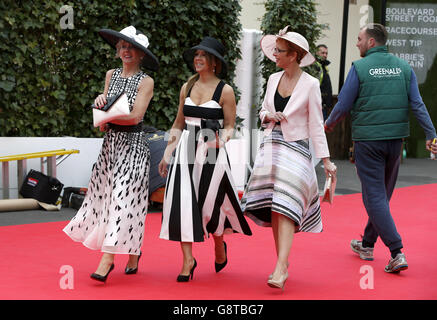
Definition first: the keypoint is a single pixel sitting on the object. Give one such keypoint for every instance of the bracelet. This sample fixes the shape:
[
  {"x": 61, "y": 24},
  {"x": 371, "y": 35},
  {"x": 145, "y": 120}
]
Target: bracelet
[{"x": 220, "y": 138}]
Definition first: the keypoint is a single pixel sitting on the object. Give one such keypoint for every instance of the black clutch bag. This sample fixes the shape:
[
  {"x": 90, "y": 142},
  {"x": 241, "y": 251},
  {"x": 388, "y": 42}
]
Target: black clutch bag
[
  {"x": 109, "y": 102},
  {"x": 211, "y": 124}
]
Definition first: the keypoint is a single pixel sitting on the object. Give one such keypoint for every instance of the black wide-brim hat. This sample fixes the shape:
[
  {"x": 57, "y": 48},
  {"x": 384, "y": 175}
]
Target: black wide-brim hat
[
  {"x": 212, "y": 46},
  {"x": 134, "y": 37}
]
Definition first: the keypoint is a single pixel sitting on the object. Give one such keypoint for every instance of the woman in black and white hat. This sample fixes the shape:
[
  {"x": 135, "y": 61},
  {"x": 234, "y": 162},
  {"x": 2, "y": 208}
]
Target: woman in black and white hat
[
  {"x": 200, "y": 198},
  {"x": 113, "y": 213}
]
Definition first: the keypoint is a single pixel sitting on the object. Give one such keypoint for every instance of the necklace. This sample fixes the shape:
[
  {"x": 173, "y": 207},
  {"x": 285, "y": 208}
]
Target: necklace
[{"x": 287, "y": 85}]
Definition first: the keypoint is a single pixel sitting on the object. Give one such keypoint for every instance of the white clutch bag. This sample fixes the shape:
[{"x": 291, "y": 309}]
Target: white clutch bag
[
  {"x": 329, "y": 189},
  {"x": 114, "y": 108}
]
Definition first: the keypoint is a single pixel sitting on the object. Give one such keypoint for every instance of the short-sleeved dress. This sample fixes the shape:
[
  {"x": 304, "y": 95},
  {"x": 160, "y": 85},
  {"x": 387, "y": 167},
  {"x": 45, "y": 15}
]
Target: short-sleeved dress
[
  {"x": 112, "y": 216},
  {"x": 200, "y": 198}
]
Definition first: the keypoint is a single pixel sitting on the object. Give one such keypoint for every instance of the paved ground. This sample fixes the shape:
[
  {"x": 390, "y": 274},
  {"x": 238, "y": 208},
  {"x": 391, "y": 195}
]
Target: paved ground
[{"x": 412, "y": 172}]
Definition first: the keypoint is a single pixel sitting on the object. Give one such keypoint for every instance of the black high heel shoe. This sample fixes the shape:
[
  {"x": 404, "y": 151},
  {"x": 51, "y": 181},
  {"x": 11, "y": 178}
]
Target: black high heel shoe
[
  {"x": 101, "y": 278},
  {"x": 133, "y": 270},
  {"x": 220, "y": 266},
  {"x": 182, "y": 278}
]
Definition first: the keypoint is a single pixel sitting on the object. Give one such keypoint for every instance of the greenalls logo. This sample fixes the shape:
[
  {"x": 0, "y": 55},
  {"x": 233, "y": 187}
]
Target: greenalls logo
[{"x": 384, "y": 72}]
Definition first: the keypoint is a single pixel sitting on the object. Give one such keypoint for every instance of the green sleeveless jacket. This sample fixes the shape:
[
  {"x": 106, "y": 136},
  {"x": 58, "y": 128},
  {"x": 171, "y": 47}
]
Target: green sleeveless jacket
[{"x": 381, "y": 109}]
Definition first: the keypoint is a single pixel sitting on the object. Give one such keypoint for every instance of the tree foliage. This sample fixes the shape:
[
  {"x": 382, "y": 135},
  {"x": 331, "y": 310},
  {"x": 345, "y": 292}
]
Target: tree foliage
[{"x": 50, "y": 75}]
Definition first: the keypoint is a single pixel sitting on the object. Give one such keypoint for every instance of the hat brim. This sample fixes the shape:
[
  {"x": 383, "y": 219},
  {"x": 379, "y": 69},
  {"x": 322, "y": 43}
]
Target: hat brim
[
  {"x": 268, "y": 45},
  {"x": 189, "y": 57},
  {"x": 112, "y": 37}
]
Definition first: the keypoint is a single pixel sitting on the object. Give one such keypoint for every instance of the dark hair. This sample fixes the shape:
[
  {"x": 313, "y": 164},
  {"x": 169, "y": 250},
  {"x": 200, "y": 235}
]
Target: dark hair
[
  {"x": 322, "y": 46},
  {"x": 210, "y": 58},
  {"x": 377, "y": 31}
]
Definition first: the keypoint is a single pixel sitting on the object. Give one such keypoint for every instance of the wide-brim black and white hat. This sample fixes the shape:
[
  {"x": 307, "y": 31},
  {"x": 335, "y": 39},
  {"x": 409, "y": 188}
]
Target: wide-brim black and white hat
[
  {"x": 212, "y": 46},
  {"x": 134, "y": 37}
]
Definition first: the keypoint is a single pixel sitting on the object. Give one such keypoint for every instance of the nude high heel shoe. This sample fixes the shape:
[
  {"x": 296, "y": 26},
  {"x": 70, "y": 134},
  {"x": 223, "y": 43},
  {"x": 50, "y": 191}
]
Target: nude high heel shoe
[
  {"x": 278, "y": 284},
  {"x": 271, "y": 274}
]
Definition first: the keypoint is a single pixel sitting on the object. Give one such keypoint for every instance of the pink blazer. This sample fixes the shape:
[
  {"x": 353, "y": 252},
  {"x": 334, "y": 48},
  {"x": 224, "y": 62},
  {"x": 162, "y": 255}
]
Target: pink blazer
[{"x": 304, "y": 118}]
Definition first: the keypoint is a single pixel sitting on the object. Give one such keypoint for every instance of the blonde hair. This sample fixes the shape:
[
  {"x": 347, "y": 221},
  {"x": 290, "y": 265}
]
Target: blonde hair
[{"x": 118, "y": 47}]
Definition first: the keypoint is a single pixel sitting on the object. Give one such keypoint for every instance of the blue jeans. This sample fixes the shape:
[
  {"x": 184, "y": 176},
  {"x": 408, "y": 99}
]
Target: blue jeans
[{"x": 377, "y": 164}]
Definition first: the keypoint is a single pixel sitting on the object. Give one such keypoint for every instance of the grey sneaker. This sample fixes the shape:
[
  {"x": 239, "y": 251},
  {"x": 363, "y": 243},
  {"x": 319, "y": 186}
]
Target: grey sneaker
[
  {"x": 365, "y": 253},
  {"x": 397, "y": 264}
]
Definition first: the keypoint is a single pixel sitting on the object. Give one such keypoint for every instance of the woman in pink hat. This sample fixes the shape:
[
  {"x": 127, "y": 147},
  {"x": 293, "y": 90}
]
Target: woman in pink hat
[{"x": 282, "y": 191}]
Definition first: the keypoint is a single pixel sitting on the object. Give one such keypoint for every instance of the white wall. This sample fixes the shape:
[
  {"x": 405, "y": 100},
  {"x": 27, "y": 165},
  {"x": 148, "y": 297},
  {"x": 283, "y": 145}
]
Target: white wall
[
  {"x": 251, "y": 13},
  {"x": 249, "y": 84}
]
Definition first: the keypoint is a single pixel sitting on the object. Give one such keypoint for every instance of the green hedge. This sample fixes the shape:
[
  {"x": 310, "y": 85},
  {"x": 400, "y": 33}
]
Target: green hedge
[
  {"x": 49, "y": 75},
  {"x": 176, "y": 25}
]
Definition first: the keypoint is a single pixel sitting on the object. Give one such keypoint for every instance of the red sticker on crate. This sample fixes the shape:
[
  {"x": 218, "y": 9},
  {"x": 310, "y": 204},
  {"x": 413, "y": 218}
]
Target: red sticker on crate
[{"x": 32, "y": 182}]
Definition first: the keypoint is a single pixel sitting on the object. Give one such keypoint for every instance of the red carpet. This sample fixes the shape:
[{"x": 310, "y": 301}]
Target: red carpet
[{"x": 321, "y": 265}]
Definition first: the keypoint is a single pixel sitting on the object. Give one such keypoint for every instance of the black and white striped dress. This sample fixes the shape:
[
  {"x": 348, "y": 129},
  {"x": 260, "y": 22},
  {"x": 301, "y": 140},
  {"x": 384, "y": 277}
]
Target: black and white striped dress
[
  {"x": 112, "y": 216},
  {"x": 200, "y": 198}
]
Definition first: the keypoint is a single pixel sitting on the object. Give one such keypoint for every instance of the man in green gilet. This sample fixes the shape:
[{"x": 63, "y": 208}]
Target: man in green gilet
[{"x": 378, "y": 92}]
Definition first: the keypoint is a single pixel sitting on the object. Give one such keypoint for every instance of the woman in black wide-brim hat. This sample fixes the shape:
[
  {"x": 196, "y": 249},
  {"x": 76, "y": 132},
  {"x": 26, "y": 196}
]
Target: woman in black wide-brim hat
[
  {"x": 200, "y": 198},
  {"x": 111, "y": 218}
]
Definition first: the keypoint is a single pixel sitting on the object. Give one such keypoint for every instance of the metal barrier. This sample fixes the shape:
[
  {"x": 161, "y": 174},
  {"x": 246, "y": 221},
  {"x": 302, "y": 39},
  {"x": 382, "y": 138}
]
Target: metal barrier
[{"x": 52, "y": 156}]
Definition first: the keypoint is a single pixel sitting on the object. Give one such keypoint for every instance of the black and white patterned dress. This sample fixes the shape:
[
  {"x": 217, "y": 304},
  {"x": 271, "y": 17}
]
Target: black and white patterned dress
[
  {"x": 112, "y": 216},
  {"x": 199, "y": 197}
]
